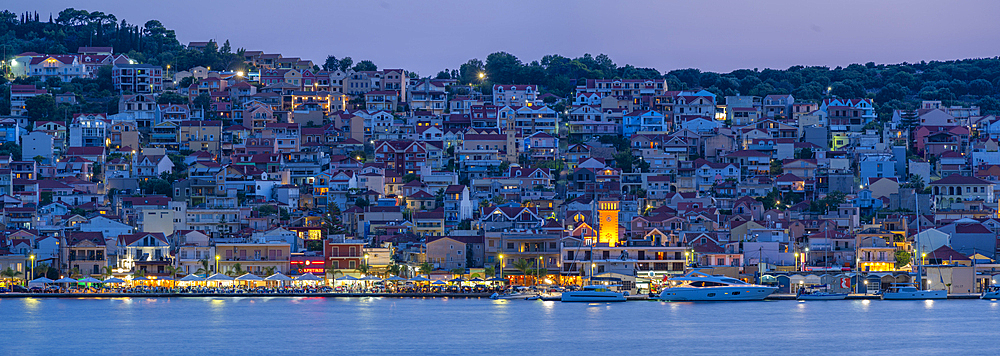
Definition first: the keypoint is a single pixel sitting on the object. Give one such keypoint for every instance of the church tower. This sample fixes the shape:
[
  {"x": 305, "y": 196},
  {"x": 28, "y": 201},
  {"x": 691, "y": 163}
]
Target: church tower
[{"x": 607, "y": 213}]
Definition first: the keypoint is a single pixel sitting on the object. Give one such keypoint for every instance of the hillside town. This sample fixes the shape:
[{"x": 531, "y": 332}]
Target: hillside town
[{"x": 290, "y": 168}]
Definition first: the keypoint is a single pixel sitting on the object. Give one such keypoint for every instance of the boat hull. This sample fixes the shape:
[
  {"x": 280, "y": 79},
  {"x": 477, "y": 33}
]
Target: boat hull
[
  {"x": 991, "y": 295},
  {"x": 592, "y": 297},
  {"x": 828, "y": 296},
  {"x": 712, "y": 294},
  {"x": 523, "y": 296},
  {"x": 915, "y": 295}
]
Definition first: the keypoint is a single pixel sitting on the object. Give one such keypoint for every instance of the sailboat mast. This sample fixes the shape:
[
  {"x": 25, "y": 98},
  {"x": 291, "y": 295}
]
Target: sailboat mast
[{"x": 920, "y": 270}]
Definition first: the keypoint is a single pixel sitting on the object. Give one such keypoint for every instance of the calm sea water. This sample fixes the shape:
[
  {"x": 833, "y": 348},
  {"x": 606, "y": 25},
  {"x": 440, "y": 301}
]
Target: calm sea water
[{"x": 306, "y": 326}]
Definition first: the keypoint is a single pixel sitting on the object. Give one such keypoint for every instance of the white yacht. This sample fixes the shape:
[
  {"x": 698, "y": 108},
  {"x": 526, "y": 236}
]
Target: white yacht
[
  {"x": 698, "y": 286},
  {"x": 906, "y": 291},
  {"x": 991, "y": 292},
  {"x": 517, "y": 293},
  {"x": 594, "y": 294},
  {"x": 819, "y": 293}
]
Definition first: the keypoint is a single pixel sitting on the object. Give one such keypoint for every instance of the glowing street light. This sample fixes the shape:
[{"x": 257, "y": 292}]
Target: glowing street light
[
  {"x": 482, "y": 75},
  {"x": 501, "y": 266},
  {"x": 217, "y": 257},
  {"x": 239, "y": 73},
  {"x": 32, "y": 266}
]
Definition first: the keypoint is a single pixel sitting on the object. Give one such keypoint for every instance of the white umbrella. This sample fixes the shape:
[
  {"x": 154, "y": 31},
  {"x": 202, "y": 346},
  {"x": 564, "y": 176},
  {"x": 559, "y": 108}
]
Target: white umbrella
[
  {"x": 219, "y": 277},
  {"x": 308, "y": 277},
  {"x": 419, "y": 279},
  {"x": 41, "y": 280},
  {"x": 90, "y": 280},
  {"x": 191, "y": 278},
  {"x": 249, "y": 277},
  {"x": 371, "y": 278},
  {"x": 65, "y": 280},
  {"x": 114, "y": 280},
  {"x": 278, "y": 277},
  {"x": 346, "y": 278}
]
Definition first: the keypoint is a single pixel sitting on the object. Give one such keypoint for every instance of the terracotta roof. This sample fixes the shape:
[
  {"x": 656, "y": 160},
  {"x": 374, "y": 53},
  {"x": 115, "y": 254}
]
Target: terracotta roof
[
  {"x": 946, "y": 253},
  {"x": 959, "y": 179}
]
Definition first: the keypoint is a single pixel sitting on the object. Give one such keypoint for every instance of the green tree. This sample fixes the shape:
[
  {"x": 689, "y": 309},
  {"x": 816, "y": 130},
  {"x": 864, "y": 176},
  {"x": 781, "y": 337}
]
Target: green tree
[
  {"x": 40, "y": 107},
  {"x": 503, "y": 68},
  {"x": 156, "y": 186},
  {"x": 365, "y": 66},
  {"x": 346, "y": 63},
  {"x": 426, "y": 268},
  {"x": 902, "y": 258},
  {"x": 9, "y": 273},
  {"x": 331, "y": 63},
  {"x": 204, "y": 268},
  {"x": 361, "y": 202},
  {"x": 171, "y": 98},
  {"x": 522, "y": 265},
  {"x": 267, "y": 210},
  {"x": 776, "y": 168}
]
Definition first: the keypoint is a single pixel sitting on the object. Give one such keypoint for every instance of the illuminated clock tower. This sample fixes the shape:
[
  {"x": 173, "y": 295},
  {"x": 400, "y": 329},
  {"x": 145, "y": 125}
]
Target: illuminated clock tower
[{"x": 608, "y": 221}]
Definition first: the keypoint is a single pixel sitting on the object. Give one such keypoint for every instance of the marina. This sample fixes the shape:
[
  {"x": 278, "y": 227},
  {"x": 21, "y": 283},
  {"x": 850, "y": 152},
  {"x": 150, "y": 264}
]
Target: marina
[{"x": 370, "y": 325}]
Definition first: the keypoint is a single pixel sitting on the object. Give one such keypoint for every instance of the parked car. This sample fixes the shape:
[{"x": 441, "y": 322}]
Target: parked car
[
  {"x": 18, "y": 289},
  {"x": 4, "y": 290}
]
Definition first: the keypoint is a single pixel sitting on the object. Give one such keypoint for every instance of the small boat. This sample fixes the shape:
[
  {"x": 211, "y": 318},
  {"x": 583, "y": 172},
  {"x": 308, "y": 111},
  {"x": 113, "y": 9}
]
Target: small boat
[
  {"x": 991, "y": 292},
  {"x": 594, "y": 293},
  {"x": 518, "y": 293},
  {"x": 906, "y": 291},
  {"x": 819, "y": 293},
  {"x": 701, "y": 287}
]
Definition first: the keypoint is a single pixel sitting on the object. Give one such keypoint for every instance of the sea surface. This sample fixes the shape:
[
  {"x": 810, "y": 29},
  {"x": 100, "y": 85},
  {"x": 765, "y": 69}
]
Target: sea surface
[{"x": 353, "y": 326}]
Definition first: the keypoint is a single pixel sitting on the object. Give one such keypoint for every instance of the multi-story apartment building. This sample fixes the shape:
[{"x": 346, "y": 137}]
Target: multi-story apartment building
[
  {"x": 200, "y": 135},
  {"x": 88, "y": 130},
  {"x": 19, "y": 95},
  {"x": 515, "y": 95},
  {"x": 137, "y": 78}
]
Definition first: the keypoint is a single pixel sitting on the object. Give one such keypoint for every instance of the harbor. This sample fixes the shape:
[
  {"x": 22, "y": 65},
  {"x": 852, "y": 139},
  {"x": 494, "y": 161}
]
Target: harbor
[{"x": 383, "y": 325}]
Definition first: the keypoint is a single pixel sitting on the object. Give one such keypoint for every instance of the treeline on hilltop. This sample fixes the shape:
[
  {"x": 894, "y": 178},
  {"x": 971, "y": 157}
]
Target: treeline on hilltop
[
  {"x": 71, "y": 29},
  {"x": 891, "y": 86}
]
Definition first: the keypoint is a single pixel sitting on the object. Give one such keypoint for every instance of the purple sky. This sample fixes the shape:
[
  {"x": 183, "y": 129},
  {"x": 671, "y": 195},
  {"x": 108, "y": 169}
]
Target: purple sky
[{"x": 427, "y": 36}]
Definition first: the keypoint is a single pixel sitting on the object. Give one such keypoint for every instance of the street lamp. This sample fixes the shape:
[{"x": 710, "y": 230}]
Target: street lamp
[
  {"x": 217, "y": 257},
  {"x": 32, "y": 266},
  {"x": 366, "y": 260},
  {"x": 501, "y": 266},
  {"x": 538, "y": 267}
]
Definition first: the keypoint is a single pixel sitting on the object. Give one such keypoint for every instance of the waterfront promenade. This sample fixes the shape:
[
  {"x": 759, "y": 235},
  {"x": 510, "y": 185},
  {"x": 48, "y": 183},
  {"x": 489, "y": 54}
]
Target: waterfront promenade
[{"x": 364, "y": 294}]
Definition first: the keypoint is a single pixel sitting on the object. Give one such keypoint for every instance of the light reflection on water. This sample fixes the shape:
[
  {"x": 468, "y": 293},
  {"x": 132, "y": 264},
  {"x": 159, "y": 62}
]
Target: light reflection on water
[{"x": 482, "y": 326}]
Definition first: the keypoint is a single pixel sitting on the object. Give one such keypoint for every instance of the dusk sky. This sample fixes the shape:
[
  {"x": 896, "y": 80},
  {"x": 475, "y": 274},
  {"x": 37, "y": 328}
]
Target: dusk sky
[{"x": 427, "y": 36}]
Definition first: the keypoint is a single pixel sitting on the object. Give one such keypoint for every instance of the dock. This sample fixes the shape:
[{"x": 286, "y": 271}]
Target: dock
[{"x": 242, "y": 295}]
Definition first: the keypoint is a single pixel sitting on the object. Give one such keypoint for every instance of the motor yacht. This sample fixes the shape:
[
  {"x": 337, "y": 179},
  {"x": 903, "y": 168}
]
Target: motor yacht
[
  {"x": 906, "y": 291},
  {"x": 517, "y": 293},
  {"x": 819, "y": 293},
  {"x": 991, "y": 292},
  {"x": 698, "y": 286},
  {"x": 594, "y": 293}
]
